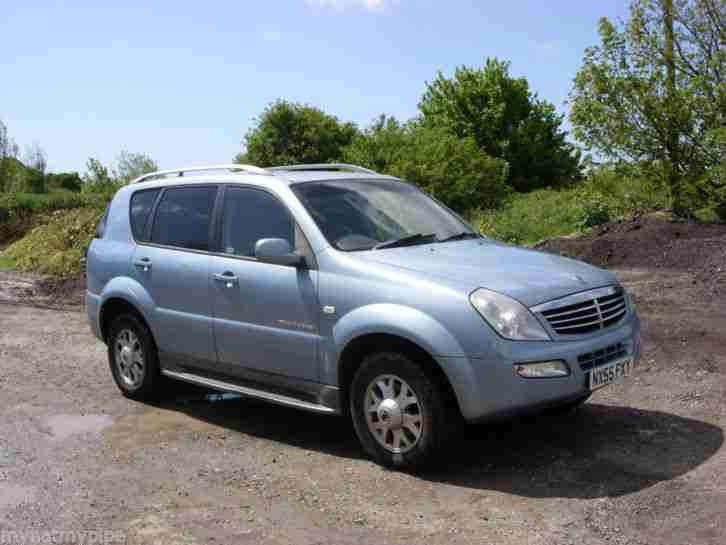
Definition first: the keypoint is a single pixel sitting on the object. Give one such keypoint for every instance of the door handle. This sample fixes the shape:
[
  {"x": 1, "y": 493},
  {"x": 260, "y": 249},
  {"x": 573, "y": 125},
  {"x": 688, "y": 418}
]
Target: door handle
[
  {"x": 143, "y": 263},
  {"x": 228, "y": 278}
]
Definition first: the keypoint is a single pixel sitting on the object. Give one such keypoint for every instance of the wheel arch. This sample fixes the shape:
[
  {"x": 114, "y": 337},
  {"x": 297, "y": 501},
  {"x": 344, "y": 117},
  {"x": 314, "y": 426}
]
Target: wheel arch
[
  {"x": 125, "y": 293},
  {"x": 387, "y": 325},
  {"x": 366, "y": 344},
  {"x": 114, "y": 306}
]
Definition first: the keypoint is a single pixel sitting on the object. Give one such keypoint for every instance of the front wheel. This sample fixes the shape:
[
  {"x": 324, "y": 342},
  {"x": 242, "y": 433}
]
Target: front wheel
[{"x": 400, "y": 411}]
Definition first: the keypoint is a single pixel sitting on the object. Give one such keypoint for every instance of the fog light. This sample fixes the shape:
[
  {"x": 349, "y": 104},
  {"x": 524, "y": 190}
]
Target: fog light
[{"x": 542, "y": 369}]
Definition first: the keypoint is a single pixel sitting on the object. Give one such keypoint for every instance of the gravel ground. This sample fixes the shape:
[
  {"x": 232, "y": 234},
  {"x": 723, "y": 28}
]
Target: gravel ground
[{"x": 642, "y": 463}]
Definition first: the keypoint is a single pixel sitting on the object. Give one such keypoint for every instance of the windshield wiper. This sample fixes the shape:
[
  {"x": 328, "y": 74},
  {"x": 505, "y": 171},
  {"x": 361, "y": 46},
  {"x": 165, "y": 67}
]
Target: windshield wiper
[
  {"x": 417, "y": 238},
  {"x": 460, "y": 236}
]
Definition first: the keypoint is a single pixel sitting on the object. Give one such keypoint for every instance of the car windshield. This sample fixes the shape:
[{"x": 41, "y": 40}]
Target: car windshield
[{"x": 362, "y": 215}]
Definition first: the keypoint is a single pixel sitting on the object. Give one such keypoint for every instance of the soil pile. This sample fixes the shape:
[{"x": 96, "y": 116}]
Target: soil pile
[{"x": 652, "y": 243}]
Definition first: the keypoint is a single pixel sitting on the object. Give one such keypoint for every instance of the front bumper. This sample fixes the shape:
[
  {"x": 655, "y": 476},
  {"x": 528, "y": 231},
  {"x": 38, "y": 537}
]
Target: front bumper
[{"x": 496, "y": 389}]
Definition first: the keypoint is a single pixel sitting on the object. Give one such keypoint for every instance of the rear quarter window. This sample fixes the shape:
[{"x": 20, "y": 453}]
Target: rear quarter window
[{"x": 141, "y": 204}]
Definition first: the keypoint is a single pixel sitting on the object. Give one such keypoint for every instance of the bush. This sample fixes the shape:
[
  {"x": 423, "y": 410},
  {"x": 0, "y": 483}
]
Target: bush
[
  {"x": 629, "y": 189},
  {"x": 721, "y": 211},
  {"x": 103, "y": 191},
  {"x": 593, "y": 209},
  {"x": 60, "y": 200},
  {"x": 290, "y": 132},
  {"x": 69, "y": 181},
  {"x": 26, "y": 210},
  {"x": 454, "y": 170},
  {"x": 379, "y": 146},
  {"x": 530, "y": 217},
  {"x": 58, "y": 246},
  {"x": 35, "y": 181}
]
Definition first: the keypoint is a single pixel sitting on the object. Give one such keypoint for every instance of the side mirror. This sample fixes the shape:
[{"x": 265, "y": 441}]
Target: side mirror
[{"x": 277, "y": 251}]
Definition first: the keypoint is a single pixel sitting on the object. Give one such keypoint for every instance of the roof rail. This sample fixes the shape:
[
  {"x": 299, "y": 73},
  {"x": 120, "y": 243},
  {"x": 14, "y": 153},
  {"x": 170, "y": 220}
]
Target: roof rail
[
  {"x": 323, "y": 167},
  {"x": 250, "y": 169}
]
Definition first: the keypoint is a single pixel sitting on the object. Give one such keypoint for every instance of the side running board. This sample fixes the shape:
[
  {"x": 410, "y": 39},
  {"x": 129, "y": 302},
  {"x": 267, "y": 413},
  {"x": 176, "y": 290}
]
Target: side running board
[{"x": 248, "y": 392}]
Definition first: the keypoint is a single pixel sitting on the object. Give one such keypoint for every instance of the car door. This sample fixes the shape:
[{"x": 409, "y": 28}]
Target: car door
[
  {"x": 266, "y": 316},
  {"x": 172, "y": 262}
]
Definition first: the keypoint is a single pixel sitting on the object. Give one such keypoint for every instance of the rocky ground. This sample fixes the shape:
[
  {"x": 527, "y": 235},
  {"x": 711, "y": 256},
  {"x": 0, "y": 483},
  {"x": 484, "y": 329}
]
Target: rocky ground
[{"x": 643, "y": 462}]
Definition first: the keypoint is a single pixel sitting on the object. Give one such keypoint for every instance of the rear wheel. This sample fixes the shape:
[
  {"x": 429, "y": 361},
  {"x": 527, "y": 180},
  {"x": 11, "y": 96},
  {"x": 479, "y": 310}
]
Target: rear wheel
[
  {"x": 133, "y": 358},
  {"x": 400, "y": 411}
]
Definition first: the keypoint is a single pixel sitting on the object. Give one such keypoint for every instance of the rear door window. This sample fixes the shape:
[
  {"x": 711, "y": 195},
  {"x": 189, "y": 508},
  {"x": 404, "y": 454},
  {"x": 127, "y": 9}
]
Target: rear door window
[
  {"x": 183, "y": 217},
  {"x": 141, "y": 204}
]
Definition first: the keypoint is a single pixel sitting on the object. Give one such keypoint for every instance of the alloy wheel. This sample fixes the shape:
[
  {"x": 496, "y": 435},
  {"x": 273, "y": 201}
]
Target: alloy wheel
[
  {"x": 393, "y": 413},
  {"x": 129, "y": 359}
]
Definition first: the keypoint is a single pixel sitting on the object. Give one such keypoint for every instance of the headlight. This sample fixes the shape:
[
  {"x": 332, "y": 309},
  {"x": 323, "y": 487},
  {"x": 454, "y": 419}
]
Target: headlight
[{"x": 508, "y": 317}]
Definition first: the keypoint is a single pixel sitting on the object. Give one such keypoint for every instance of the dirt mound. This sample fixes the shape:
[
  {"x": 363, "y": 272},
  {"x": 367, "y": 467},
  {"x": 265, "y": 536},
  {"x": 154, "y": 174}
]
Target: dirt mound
[{"x": 653, "y": 243}]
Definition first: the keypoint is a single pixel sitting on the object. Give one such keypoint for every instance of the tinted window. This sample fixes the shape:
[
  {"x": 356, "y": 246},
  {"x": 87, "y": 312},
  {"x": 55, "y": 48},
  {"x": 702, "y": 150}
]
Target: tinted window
[
  {"x": 141, "y": 204},
  {"x": 249, "y": 215},
  {"x": 183, "y": 217}
]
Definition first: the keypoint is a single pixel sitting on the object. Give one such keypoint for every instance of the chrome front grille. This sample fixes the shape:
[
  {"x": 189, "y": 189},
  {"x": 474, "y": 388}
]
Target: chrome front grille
[
  {"x": 599, "y": 357},
  {"x": 585, "y": 312}
]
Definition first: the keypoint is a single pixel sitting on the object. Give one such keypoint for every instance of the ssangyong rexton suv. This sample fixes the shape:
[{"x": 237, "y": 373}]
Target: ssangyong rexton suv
[{"x": 334, "y": 289}]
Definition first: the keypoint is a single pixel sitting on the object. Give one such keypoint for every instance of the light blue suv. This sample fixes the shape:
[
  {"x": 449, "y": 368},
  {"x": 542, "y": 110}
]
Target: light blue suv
[{"x": 334, "y": 289}]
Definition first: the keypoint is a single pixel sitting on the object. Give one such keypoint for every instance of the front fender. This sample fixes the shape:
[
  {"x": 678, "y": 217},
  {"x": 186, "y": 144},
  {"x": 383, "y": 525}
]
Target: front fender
[
  {"x": 399, "y": 320},
  {"x": 410, "y": 324}
]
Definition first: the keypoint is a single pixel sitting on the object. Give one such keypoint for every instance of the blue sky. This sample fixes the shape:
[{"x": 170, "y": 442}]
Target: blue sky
[{"x": 183, "y": 81}]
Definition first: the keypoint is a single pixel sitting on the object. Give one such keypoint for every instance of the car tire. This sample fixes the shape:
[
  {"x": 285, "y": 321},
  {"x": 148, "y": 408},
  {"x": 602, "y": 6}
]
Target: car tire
[
  {"x": 133, "y": 358},
  {"x": 401, "y": 412}
]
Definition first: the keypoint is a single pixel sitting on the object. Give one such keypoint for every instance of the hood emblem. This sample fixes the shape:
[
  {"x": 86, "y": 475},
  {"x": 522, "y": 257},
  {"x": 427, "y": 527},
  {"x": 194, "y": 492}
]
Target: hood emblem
[{"x": 578, "y": 278}]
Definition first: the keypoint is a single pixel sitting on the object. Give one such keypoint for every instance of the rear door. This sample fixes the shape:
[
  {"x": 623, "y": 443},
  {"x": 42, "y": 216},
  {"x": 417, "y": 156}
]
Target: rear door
[
  {"x": 265, "y": 316},
  {"x": 172, "y": 262}
]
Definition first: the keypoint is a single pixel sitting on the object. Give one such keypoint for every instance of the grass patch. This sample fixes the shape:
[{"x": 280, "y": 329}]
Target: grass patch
[
  {"x": 56, "y": 247},
  {"x": 528, "y": 218}
]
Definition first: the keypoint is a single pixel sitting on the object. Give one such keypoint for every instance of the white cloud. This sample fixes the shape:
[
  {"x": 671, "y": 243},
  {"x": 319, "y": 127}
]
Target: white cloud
[{"x": 373, "y": 6}]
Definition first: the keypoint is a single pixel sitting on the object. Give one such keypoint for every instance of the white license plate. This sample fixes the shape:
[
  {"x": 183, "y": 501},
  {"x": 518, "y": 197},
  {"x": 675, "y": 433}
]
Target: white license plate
[{"x": 607, "y": 374}]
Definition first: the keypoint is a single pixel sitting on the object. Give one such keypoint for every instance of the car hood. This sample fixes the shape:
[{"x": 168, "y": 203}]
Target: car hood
[{"x": 529, "y": 276}]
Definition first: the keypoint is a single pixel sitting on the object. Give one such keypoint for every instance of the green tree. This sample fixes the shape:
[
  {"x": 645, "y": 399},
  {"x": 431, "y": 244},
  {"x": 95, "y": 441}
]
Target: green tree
[
  {"x": 379, "y": 146},
  {"x": 506, "y": 120},
  {"x": 289, "y": 132},
  {"x": 130, "y": 166},
  {"x": 654, "y": 90},
  {"x": 455, "y": 170},
  {"x": 10, "y": 167},
  {"x": 34, "y": 178},
  {"x": 97, "y": 178}
]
